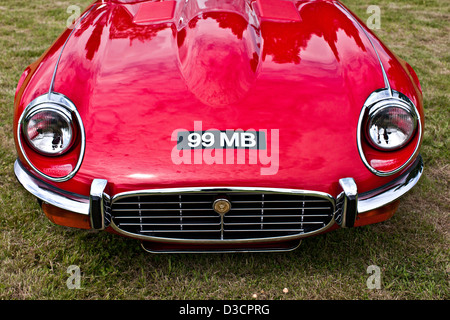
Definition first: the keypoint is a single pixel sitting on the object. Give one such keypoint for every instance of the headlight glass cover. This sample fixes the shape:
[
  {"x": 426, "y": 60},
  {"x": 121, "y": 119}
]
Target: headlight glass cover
[
  {"x": 49, "y": 130},
  {"x": 390, "y": 127}
]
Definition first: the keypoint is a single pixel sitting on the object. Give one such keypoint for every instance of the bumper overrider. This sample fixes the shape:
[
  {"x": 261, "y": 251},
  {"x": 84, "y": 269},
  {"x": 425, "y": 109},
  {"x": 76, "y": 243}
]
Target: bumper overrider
[{"x": 348, "y": 209}]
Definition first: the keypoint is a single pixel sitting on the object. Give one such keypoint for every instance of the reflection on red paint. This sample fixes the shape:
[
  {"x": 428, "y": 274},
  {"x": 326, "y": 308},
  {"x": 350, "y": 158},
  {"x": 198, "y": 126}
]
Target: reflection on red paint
[{"x": 218, "y": 62}]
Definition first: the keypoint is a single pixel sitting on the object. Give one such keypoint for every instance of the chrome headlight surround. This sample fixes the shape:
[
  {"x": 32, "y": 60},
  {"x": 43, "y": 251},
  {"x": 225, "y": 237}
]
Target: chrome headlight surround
[
  {"x": 61, "y": 105},
  {"x": 377, "y": 101}
]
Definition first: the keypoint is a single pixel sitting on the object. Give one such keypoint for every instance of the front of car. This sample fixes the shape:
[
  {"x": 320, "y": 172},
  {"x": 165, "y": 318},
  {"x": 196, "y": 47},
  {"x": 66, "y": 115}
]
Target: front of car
[{"x": 219, "y": 125}]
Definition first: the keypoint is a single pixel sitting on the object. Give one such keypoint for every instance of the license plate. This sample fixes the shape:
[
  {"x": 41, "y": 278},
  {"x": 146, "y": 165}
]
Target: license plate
[{"x": 217, "y": 139}]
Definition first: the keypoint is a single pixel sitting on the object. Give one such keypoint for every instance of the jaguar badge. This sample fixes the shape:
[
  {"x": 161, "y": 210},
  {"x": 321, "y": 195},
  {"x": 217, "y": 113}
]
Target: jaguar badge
[{"x": 221, "y": 206}]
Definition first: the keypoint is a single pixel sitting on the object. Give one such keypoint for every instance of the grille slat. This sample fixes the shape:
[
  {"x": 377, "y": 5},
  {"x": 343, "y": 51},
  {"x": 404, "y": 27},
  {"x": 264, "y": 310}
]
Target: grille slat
[
  {"x": 237, "y": 216},
  {"x": 152, "y": 203},
  {"x": 169, "y": 224},
  {"x": 164, "y": 217},
  {"x": 179, "y": 231},
  {"x": 283, "y": 201},
  {"x": 190, "y": 215},
  {"x": 298, "y": 208},
  {"x": 178, "y": 210},
  {"x": 267, "y": 230},
  {"x": 233, "y": 209},
  {"x": 267, "y": 223}
]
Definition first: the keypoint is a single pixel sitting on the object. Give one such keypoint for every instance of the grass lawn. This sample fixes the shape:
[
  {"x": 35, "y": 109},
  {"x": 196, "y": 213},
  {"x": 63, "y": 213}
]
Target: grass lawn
[{"x": 411, "y": 249}]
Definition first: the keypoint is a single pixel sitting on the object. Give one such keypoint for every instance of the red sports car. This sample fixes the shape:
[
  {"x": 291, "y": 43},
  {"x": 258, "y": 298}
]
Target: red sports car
[{"x": 218, "y": 125}]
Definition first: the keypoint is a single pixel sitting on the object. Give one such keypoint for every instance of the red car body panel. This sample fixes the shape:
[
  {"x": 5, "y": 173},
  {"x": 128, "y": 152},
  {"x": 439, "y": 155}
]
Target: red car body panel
[
  {"x": 136, "y": 78},
  {"x": 308, "y": 69}
]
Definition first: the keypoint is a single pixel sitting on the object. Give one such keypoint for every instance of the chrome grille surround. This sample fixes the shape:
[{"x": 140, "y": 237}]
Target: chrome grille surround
[{"x": 186, "y": 215}]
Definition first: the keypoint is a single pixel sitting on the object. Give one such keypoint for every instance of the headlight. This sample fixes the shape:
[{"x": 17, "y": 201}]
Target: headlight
[
  {"x": 51, "y": 138},
  {"x": 49, "y": 130},
  {"x": 390, "y": 127},
  {"x": 389, "y": 132}
]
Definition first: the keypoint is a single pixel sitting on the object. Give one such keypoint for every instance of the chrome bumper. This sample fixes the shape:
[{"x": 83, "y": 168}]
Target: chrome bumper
[
  {"x": 49, "y": 194},
  {"x": 348, "y": 203}
]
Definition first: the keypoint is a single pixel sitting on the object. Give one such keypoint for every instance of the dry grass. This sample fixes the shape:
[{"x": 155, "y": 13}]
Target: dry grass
[{"x": 411, "y": 249}]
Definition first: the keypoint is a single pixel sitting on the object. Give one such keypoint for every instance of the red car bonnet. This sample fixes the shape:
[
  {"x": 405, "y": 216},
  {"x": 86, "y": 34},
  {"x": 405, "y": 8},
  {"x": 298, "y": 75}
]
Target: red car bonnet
[{"x": 136, "y": 82}]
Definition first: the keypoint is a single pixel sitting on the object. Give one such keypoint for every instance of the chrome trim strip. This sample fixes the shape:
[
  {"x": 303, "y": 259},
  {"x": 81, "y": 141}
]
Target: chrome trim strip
[
  {"x": 62, "y": 101},
  {"x": 97, "y": 205},
  {"x": 396, "y": 98},
  {"x": 50, "y": 90},
  {"x": 259, "y": 250},
  {"x": 221, "y": 189},
  {"x": 392, "y": 191},
  {"x": 349, "y": 208},
  {"x": 383, "y": 70},
  {"x": 49, "y": 194},
  {"x": 228, "y": 190}
]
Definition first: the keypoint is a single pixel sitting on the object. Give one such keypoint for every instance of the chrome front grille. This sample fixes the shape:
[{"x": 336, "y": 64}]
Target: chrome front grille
[{"x": 190, "y": 215}]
